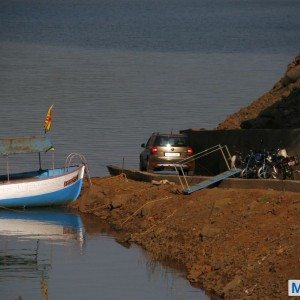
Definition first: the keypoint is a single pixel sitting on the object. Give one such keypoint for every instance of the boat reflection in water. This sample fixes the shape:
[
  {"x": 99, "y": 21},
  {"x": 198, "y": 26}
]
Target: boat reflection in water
[
  {"x": 27, "y": 240},
  {"x": 42, "y": 224}
]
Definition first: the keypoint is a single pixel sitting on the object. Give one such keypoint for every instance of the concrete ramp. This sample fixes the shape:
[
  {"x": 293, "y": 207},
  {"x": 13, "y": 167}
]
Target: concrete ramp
[{"x": 212, "y": 181}]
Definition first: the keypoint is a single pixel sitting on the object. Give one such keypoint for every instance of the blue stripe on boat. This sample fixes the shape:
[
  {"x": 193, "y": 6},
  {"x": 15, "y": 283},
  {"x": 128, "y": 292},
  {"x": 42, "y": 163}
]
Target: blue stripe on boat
[{"x": 65, "y": 196}]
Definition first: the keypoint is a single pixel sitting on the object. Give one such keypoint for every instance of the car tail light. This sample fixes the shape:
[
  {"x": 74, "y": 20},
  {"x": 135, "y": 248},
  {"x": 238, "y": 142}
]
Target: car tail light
[
  {"x": 153, "y": 150},
  {"x": 190, "y": 151}
]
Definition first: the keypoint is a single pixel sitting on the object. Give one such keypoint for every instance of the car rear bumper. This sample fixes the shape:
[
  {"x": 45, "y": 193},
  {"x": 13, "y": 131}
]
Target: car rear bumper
[{"x": 171, "y": 165}]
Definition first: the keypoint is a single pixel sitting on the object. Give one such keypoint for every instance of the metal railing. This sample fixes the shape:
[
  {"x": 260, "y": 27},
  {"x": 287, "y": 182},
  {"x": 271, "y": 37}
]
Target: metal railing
[
  {"x": 69, "y": 159},
  {"x": 179, "y": 166}
]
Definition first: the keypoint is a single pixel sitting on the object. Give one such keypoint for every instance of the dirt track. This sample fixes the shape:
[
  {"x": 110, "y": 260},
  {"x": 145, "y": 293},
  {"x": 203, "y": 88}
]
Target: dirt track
[{"x": 234, "y": 243}]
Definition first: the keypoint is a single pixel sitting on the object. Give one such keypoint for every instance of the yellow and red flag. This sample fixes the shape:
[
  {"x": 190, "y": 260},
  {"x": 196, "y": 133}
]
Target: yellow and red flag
[{"x": 48, "y": 119}]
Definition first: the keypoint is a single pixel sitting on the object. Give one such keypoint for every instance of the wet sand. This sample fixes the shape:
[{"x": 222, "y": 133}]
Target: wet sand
[{"x": 233, "y": 243}]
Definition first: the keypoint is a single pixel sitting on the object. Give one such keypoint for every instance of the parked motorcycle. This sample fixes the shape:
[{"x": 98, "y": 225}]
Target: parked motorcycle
[
  {"x": 265, "y": 164},
  {"x": 252, "y": 163},
  {"x": 283, "y": 167}
]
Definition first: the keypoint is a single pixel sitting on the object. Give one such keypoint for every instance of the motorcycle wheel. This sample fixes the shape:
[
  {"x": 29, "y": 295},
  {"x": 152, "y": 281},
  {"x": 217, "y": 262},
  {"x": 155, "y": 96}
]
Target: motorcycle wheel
[
  {"x": 278, "y": 173},
  {"x": 290, "y": 173},
  {"x": 264, "y": 172},
  {"x": 245, "y": 173}
]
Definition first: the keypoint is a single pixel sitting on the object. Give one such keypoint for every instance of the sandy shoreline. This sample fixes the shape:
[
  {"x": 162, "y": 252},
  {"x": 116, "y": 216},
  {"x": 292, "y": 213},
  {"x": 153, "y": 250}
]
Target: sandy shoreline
[{"x": 233, "y": 243}]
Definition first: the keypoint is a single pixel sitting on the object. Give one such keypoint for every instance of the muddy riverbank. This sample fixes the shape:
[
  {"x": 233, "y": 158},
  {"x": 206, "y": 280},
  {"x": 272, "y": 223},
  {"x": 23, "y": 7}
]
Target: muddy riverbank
[{"x": 233, "y": 243}]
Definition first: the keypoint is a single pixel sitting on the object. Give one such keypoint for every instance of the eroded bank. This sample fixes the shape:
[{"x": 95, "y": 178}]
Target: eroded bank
[{"x": 233, "y": 243}]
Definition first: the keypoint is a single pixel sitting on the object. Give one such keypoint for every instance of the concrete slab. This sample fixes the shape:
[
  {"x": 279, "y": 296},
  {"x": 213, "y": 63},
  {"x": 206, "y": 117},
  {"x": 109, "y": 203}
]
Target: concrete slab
[{"x": 234, "y": 183}]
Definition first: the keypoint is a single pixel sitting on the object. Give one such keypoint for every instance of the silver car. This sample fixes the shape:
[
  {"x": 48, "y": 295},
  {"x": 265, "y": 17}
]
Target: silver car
[{"x": 163, "y": 151}]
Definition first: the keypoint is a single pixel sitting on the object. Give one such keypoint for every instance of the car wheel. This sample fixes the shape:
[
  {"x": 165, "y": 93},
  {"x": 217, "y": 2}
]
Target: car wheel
[
  {"x": 148, "y": 168},
  {"x": 142, "y": 168}
]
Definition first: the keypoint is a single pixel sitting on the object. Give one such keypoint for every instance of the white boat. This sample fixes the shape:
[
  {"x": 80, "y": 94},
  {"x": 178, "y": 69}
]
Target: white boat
[{"x": 44, "y": 187}]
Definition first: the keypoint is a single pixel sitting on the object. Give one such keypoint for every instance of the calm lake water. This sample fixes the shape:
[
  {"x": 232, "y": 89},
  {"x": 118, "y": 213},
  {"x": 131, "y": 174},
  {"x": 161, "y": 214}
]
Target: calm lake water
[
  {"x": 116, "y": 71},
  {"x": 53, "y": 254}
]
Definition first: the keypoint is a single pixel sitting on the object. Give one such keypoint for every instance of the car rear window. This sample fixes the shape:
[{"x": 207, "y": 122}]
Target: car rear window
[{"x": 172, "y": 141}]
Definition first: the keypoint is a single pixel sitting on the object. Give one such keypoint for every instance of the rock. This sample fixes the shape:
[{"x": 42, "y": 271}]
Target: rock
[
  {"x": 253, "y": 206},
  {"x": 233, "y": 284},
  {"x": 124, "y": 239},
  {"x": 222, "y": 202},
  {"x": 160, "y": 182},
  {"x": 102, "y": 214},
  {"x": 194, "y": 273},
  {"x": 118, "y": 201},
  {"x": 209, "y": 231},
  {"x": 294, "y": 73}
]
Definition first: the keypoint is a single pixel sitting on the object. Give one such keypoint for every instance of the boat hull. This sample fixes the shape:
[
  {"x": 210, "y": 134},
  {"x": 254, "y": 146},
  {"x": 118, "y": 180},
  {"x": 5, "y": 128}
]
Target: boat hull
[{"x": 59, "y": 189}]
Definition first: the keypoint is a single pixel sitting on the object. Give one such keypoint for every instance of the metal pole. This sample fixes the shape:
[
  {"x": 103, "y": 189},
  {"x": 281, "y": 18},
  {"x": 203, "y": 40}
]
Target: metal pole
[
  {"x": 228, "y": 153},
  {"x": 184, "y": 178},
  {"x": 53, "y": 159},
  {"x": 40, "y": 161},
  {"x": 224, "y": 157},
  {"x": 179, "y": 177},
  {"x": 123, "y": 160},
  {"x": 7, "y": 168}
]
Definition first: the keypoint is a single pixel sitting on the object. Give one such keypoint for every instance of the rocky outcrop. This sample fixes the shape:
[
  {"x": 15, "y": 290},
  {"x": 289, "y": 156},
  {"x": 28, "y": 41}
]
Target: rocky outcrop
[{"x": 277, "y": 109}]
